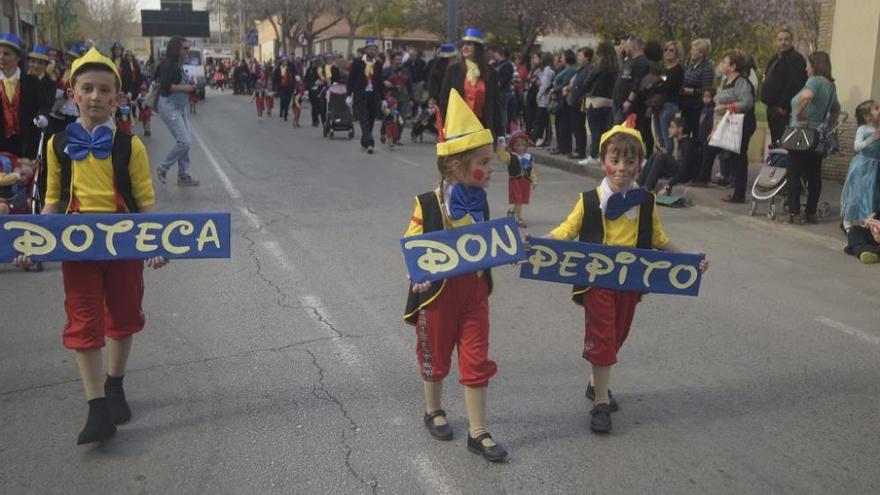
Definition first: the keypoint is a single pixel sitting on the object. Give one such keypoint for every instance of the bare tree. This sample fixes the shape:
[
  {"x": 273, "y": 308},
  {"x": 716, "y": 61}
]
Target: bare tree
[
  {"x": 107, "y": 20},
  {"x": 809, "y": 13},
  {"x": 53, "y": 23}
]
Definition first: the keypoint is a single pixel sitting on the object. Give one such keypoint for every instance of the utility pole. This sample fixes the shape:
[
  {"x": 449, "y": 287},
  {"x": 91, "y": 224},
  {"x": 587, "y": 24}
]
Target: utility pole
[
  {"x": 242, "y": 34},
  {"x": 451, "y": 21}
]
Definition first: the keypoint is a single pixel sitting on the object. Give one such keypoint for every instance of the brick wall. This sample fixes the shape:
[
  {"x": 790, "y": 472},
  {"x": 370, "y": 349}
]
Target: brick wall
[{"x": 835, "y": 167}]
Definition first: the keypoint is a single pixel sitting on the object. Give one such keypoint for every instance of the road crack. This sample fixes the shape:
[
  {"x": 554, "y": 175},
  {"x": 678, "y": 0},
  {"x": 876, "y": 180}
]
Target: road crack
[{"x": 321, "y": 392}]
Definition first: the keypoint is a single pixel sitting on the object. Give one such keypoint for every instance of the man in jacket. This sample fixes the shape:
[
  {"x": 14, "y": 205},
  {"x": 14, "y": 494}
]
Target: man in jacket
[
  {"x": 366, "y": 87},
  {"x": 574, "y": 95},
  {"x": 505, "y": 70},
  {"x": 785, "y": 76}
]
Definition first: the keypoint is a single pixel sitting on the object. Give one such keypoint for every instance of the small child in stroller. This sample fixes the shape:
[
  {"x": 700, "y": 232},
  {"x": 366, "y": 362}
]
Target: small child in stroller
[
  {"x": 15, "y": 177},
  {"x": 427, "y": 121}
]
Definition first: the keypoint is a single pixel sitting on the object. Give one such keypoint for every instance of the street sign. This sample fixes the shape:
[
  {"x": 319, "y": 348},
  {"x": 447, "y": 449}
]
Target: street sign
[{"x": 253, "y": 39}]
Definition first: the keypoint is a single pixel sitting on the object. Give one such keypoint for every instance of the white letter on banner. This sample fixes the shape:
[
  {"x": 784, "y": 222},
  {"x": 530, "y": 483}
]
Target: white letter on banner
[
  {"x": 650, "y": 267},
  {"x": 111, "y": 230},
  {"x": 461, "y": 246},
  {"x": 543, "y": 257},
  {"x": 186, "y": 228},
  {"x": 595, "y": 268},
  {"x": 208, "y": 234},
  {"x": 673, "y": 276},
  {"x": 433, "y": 262},
  {"x": 566, "y": 263},
  {"x": 68, "y": 243},
  {"x": 624, "y": 258},
  {"x": 34, "y": 241},
  {"x": 496, "y": 242},
  {"x": 142, "y": 237}
]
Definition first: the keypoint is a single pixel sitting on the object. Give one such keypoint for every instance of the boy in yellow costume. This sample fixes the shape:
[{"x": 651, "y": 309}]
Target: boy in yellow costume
[{"x": 95, "y": 168}]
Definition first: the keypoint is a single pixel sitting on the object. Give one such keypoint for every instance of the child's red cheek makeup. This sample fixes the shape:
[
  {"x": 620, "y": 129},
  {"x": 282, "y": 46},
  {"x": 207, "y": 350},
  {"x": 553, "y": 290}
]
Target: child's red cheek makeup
[
  {"x": 609, "y": 169},
  {"x": 478, "y": 175}
]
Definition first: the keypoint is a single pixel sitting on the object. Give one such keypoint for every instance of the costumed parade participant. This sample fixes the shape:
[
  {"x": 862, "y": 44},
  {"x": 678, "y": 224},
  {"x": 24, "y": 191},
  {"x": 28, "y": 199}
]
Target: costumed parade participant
[
  {"x": 392, "y": 121},
  {"x": 124, "y": 116},
  {"x": 521, "y": 169},
  {"x": 38, "y": 64},
  {"x": 437, "y": 69},
  {"x": 455, "y": 312},
  {"x": 145, "y": 113},
  {"x": 365, "y": 84},
  {"x": 617, "y": 213},
  {"x": 475, "y": 81},
  {"x": 259, "y": 97},
  {"x": 102, "y": 298},
  {"x": 65, "y": 111},
  {"x": 22, "y": 100}
]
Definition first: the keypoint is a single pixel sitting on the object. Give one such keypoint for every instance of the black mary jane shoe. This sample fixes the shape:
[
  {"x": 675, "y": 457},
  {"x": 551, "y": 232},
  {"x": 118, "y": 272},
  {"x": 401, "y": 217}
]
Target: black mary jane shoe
[
  {"x": 495, "y": 453},
  {"x": 440, "y": 432},
  {"x": 591, "y": 394}
]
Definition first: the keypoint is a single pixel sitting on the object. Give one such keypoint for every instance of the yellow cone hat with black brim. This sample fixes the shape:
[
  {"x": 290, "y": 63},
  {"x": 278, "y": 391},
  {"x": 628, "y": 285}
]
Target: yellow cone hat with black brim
[
  {"x": 93, "y": 56},
  {"x": 462, "y": 130}
]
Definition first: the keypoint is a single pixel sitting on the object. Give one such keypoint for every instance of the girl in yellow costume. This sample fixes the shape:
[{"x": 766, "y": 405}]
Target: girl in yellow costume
[{"x": 455, "y": 312}]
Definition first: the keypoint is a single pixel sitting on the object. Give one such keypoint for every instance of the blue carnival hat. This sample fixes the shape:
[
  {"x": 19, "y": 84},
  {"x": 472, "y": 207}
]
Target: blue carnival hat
[
  {"x": 474, "y": 35},
  {"x": 40, "y": 52},
  {"x": 371, "y": 42},
  {"x": 77, "y": 50},
  {"x": 13, "y": 41},
  {"x": 447, "y": 50}
]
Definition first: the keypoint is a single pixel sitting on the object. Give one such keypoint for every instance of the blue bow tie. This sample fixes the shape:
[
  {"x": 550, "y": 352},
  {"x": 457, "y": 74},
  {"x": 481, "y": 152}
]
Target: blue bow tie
[
  {"x": 618, "y": 204},
  {"x": 465, "y": 200},
  {"x": 81, "y": 142}
]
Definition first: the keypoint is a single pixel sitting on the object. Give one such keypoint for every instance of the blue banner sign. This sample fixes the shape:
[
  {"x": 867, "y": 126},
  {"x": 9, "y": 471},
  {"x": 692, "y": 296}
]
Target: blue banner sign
[
  {"x": 611, "y": 267},
  {"x": 447, "y": 253},
  {"x": 92, "y": 237}
]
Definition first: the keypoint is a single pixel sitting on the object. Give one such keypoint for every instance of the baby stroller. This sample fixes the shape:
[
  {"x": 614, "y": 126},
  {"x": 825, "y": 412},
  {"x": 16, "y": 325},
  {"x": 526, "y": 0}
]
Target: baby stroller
[
  {"x": 339, "y": 116},
  {"x": 771, "y": 181},
  {"x": 28, "y": 198}
]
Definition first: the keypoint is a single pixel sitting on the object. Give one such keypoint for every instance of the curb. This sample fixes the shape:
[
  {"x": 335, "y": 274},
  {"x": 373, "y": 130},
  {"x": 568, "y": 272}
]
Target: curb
[
  {"x": 567, "y": 165},
  {"x": 707, "y": 197}
]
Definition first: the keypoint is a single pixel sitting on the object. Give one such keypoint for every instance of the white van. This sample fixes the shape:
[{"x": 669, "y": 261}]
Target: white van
[{"x": 194, "y": 66}]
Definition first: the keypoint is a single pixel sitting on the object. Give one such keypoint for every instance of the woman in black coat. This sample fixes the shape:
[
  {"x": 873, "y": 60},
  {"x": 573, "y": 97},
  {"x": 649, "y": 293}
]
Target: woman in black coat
[
  {"x": 19, "y": 136},
  {"x": 481, "y": 94},
  {"x": 130, "y": 70}
]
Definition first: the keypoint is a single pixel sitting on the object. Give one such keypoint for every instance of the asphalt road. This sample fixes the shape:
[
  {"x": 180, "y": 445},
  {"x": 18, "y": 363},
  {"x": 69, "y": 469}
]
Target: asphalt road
[{"x": 287, "y": 369}]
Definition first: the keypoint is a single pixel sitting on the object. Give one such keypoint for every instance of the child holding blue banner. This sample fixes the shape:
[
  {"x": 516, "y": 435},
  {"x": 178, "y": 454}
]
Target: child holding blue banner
[
  {"x": 93, "y": 167},
  {"x": 455, "y": 312},
  {"x": 617, "y": 213}
]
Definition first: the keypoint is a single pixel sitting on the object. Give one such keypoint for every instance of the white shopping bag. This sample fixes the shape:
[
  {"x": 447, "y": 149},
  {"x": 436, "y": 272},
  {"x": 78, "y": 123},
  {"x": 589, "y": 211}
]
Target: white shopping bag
[{"x": 728, "y": 134}]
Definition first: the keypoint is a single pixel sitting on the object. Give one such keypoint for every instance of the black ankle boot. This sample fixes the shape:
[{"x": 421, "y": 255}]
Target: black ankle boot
[
  {"x": 119, "y": 410},
  {"x": 99, "y": 425}
]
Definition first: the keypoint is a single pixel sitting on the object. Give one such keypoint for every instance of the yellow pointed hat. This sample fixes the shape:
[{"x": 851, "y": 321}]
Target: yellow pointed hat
[
  {"x": 462, "y": 130},
  {"x": 93, "y": 56}
]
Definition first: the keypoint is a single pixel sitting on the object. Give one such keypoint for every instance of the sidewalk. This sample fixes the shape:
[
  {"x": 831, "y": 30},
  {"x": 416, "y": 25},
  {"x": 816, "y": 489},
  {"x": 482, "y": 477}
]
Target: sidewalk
[{"x": 709, "y": 199}]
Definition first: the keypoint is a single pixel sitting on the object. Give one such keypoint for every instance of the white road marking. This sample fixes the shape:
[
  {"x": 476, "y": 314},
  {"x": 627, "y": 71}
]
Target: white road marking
[
  {"x": 275, "y": 250},
  {"x": 233, "y": 191},
  {"x": 409, "y": 162},
  {"x": 851, "y": 331},
  {"x": 346, "y": 352},
  {"x": 431, "y": 475}
]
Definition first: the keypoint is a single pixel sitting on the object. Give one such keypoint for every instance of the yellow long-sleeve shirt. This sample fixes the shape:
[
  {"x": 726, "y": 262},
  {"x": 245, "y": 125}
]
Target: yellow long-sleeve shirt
[
  {"x": 92, "y": 180},
  {"x": 622, "y": 231}
]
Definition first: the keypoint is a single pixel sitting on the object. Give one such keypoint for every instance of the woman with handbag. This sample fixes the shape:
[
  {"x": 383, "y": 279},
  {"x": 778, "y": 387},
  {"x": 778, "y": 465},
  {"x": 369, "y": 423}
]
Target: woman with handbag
[
  {"x": 811, "y": 108},
  {"x": 737, "y": 96}
]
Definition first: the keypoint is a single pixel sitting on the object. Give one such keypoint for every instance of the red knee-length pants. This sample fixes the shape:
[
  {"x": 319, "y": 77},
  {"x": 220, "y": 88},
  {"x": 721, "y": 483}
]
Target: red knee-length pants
[
  {"x": 458, "y": 317},
  {"x": 609, "y": 314},
  {"x": 102, "y": 298}
]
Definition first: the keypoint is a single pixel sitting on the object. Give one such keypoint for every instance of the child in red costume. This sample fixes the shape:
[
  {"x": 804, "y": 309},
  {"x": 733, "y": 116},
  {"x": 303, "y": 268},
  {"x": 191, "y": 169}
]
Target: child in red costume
[
  {"x": 521, "y": 169},
  {"x": 630, "y": 222},
  {"x": 102, "y": 298},
  {"x": 455, "y": 312},
  {"x": 145, "y": 113}
]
